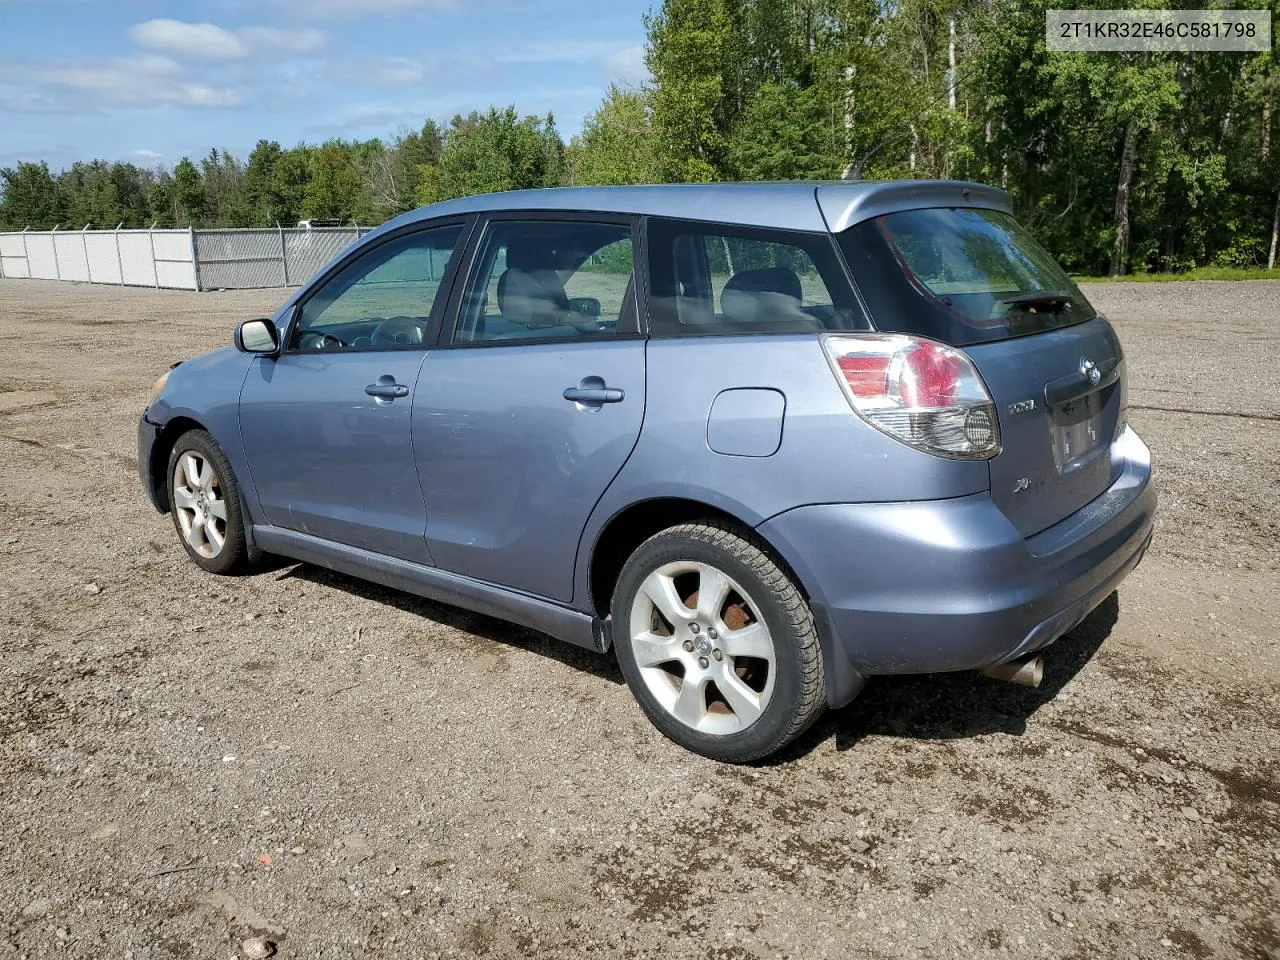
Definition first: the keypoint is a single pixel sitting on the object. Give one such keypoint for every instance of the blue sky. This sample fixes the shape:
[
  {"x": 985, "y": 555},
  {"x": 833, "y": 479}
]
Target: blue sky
[{"x": 149, "y": 81}]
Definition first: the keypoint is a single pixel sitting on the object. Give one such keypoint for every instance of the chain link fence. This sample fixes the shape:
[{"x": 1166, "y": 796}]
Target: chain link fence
[{"x": 175, "y": 259}]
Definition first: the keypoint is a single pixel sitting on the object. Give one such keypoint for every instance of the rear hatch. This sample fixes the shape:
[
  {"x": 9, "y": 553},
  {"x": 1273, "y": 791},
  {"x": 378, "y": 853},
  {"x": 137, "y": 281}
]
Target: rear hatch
[{"x": 973, "y": 278}]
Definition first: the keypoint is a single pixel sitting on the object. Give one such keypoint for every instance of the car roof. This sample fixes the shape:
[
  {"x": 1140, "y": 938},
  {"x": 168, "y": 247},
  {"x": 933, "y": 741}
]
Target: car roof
[{"x": 793, "y": 205}]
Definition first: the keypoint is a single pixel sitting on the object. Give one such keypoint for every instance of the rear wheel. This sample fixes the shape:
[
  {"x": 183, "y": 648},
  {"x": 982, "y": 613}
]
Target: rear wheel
[
  {"x": 205, "y": 502},
  {"x": 717, "y": 644}
]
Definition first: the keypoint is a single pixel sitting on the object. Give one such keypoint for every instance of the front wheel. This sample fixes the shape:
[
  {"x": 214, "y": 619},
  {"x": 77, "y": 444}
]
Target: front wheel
[
  {"x": 717, "y": 643},
  {"x": 205, "y": 502}
]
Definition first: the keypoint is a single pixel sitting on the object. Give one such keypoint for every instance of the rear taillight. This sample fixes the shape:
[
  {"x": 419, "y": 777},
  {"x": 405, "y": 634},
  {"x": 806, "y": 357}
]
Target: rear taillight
[{"x": 922, "y": 392}]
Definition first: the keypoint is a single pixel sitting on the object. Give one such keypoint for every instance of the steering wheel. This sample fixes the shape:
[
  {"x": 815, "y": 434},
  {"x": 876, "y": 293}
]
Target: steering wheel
[
  {"x": 397, "y": 330},
  {"x": 317, "y": 340}
]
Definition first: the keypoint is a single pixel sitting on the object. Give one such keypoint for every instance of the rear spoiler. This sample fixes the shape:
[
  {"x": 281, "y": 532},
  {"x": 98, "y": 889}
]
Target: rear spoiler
[{"x": 843, "y": 206}]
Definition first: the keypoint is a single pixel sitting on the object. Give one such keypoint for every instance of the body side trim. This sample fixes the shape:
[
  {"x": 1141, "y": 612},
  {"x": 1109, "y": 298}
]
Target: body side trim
[{"x": 560, "y": 622}]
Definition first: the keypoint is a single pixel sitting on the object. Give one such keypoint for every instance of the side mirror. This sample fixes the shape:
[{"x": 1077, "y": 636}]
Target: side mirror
[
  {"x": 585, "y": 306},
  {"x": 257, "y": 336}
]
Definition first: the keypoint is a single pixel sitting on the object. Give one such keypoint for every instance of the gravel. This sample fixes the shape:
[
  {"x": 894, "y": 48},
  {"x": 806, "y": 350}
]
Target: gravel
[{"x": 191, "y": 763}]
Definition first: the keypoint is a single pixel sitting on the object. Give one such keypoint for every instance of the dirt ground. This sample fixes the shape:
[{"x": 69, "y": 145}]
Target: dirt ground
[{"x": 186, "y": 760}]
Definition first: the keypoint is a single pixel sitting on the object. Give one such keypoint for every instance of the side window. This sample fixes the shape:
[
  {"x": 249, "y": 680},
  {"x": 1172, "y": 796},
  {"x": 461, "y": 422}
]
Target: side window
[
  {"x": 549, "y": 280},
  {"x": 382, "y": 300},
  {"x": 710, "y": 279}
]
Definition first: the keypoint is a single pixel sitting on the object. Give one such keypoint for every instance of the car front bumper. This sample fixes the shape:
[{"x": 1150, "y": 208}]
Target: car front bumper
[
  {"x": 148, "y": 434},
  {"x": 932, "y": 586}
]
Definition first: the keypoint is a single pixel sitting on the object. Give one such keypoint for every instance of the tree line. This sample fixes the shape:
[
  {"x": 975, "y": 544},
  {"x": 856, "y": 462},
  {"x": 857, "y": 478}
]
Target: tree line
[{"x": 1120, "y": 162}]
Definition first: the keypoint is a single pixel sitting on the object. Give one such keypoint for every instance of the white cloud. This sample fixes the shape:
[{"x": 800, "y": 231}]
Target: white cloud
[
  {"x": 57, "y": 156},
  {"x": 392, "y": 72},
  {"x": 20, "y": 98},
  {"x": 146, "y": 154},
  {"x": 377, "y": 117},
  {"x": 208, "y": 41},
  {"x": 627, "y": 67},
  {"x": 567, "y": 50},
  {"x": 350, "y": 9},
  {"x": 204, "y": 40},
  {"x": 306, "y": 40},
  {"x": 147, "y": 80}
]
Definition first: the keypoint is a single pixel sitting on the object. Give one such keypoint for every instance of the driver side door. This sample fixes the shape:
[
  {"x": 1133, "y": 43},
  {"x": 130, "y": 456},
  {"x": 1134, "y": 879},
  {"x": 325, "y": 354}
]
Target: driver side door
[{"x": 326, "y": 424}]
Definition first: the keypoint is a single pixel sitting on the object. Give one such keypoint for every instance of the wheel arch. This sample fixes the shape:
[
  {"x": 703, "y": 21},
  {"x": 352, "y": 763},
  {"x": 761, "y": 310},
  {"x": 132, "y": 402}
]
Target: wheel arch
[
  {"x": 637, "y": 522},
  {"x": 631, "y": 526},
  {"x": 161, "y": 450}
]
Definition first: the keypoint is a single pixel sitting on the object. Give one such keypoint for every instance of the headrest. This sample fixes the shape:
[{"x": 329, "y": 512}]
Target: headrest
[
  {"x": 532, "y": 298},
  {"x": 756, "y": 296}
]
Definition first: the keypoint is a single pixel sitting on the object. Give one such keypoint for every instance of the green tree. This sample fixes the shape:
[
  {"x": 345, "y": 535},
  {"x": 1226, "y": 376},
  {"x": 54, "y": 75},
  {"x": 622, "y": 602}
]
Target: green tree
[
  {"x": 1119, "y": 162},
  {"x": 29, "y": 197},
  {"x": 187, "y": 195},
  {"x": 552, "y": 153},
  {"x": 617, "y": 144},
  {"x": 267, "y": 202},
  {"x": 1075, "y": 135},
  {"x": 788, "y": 134},
  {"x": 132, "y": 185},
  {"x": 690, "y": 48},
  {"x": 333, "y": 189},
  {"x": 88, "y": 194},
  {"x": 391, "y": 174},
  {"x": 290, "y": 178},
  {"x": 225, "y": 200},
  {"x": 104, "y": 194},
  {"x": 493, "y": 151}
]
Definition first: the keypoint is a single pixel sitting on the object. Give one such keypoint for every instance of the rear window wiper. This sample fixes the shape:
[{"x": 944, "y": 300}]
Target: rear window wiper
[{"x": 1040, "y": 298}]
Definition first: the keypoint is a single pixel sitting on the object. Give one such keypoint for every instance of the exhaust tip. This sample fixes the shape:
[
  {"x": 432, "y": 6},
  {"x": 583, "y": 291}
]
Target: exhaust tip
[{"x": 1026, "y": 672}]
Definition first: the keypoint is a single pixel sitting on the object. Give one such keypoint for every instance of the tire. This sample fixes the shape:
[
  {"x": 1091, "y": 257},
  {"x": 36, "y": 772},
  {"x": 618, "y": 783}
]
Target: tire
[
  {"x": 735, "y": 677},
  {"x": 206, "y": 507}
]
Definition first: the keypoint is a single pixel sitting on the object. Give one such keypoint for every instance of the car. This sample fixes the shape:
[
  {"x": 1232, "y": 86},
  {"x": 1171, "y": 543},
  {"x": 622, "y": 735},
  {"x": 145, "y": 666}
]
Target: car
[{"x": 760, "y": 442}]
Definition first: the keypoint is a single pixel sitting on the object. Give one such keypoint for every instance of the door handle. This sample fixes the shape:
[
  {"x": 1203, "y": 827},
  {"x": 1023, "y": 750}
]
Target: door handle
[
  {"x": 594, "y": 395},
  {"x": 386, "y": 388}
]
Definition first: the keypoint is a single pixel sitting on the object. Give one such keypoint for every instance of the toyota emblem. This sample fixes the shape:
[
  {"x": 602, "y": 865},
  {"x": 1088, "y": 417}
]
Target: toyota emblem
[{"x": 1090, "y": 370}]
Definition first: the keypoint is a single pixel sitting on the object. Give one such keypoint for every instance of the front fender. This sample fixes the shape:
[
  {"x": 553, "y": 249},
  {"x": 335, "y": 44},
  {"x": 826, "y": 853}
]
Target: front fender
[{"x": 206, "y": 389}]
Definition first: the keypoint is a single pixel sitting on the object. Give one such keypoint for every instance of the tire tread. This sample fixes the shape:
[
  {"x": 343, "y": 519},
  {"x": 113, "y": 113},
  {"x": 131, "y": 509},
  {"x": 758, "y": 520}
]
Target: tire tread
[
  {"x": 757, "y": 556},
  {"x": 234, "y": 557}
]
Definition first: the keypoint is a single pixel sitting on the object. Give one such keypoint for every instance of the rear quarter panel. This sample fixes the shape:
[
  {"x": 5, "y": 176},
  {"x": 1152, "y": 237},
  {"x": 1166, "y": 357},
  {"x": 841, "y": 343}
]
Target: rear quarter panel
[{"x": 826, "y": 455}]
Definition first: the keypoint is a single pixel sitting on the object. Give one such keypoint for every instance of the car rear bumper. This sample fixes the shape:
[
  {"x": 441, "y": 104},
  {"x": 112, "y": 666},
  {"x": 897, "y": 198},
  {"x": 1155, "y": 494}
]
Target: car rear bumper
[
  {"x": 148, "y": 433},
  {"x": 943, "y": 585}
]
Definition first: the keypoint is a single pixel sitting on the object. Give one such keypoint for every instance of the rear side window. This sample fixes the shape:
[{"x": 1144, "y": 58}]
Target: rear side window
[
  {"x": 712, "y": 279},
  {"x": 962, "y": 276}
]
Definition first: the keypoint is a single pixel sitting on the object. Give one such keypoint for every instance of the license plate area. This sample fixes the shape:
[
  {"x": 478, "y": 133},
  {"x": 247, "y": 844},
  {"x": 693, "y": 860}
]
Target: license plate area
[{"x": 1076, "y": 431}]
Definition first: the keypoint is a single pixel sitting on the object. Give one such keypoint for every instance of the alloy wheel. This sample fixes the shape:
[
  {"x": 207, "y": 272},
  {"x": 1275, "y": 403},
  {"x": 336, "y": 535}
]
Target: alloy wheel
[
  {"x": 199, "y": 504},
  {"x": 703, "y": 649}
]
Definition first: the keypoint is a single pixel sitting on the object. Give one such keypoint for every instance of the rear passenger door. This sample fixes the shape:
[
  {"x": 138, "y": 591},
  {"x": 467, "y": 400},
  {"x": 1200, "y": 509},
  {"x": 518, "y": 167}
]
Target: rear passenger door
[{"x": 534, "y": 399}]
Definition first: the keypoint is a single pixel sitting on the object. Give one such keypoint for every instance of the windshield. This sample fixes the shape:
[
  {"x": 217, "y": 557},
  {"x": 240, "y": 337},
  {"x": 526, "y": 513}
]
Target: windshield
[{"x": 962, "y": 276}]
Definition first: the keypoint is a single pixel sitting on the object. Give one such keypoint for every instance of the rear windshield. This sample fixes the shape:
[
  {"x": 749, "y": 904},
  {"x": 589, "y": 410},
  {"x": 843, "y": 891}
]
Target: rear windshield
[{"x": 962, "y": 276}]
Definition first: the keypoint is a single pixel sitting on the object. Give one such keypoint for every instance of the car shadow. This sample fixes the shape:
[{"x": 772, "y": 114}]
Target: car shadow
[
  {"x": 939, "y": 706},
  {"x": 948, "y": 706},
  {"x": 490, "y": 628}
]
